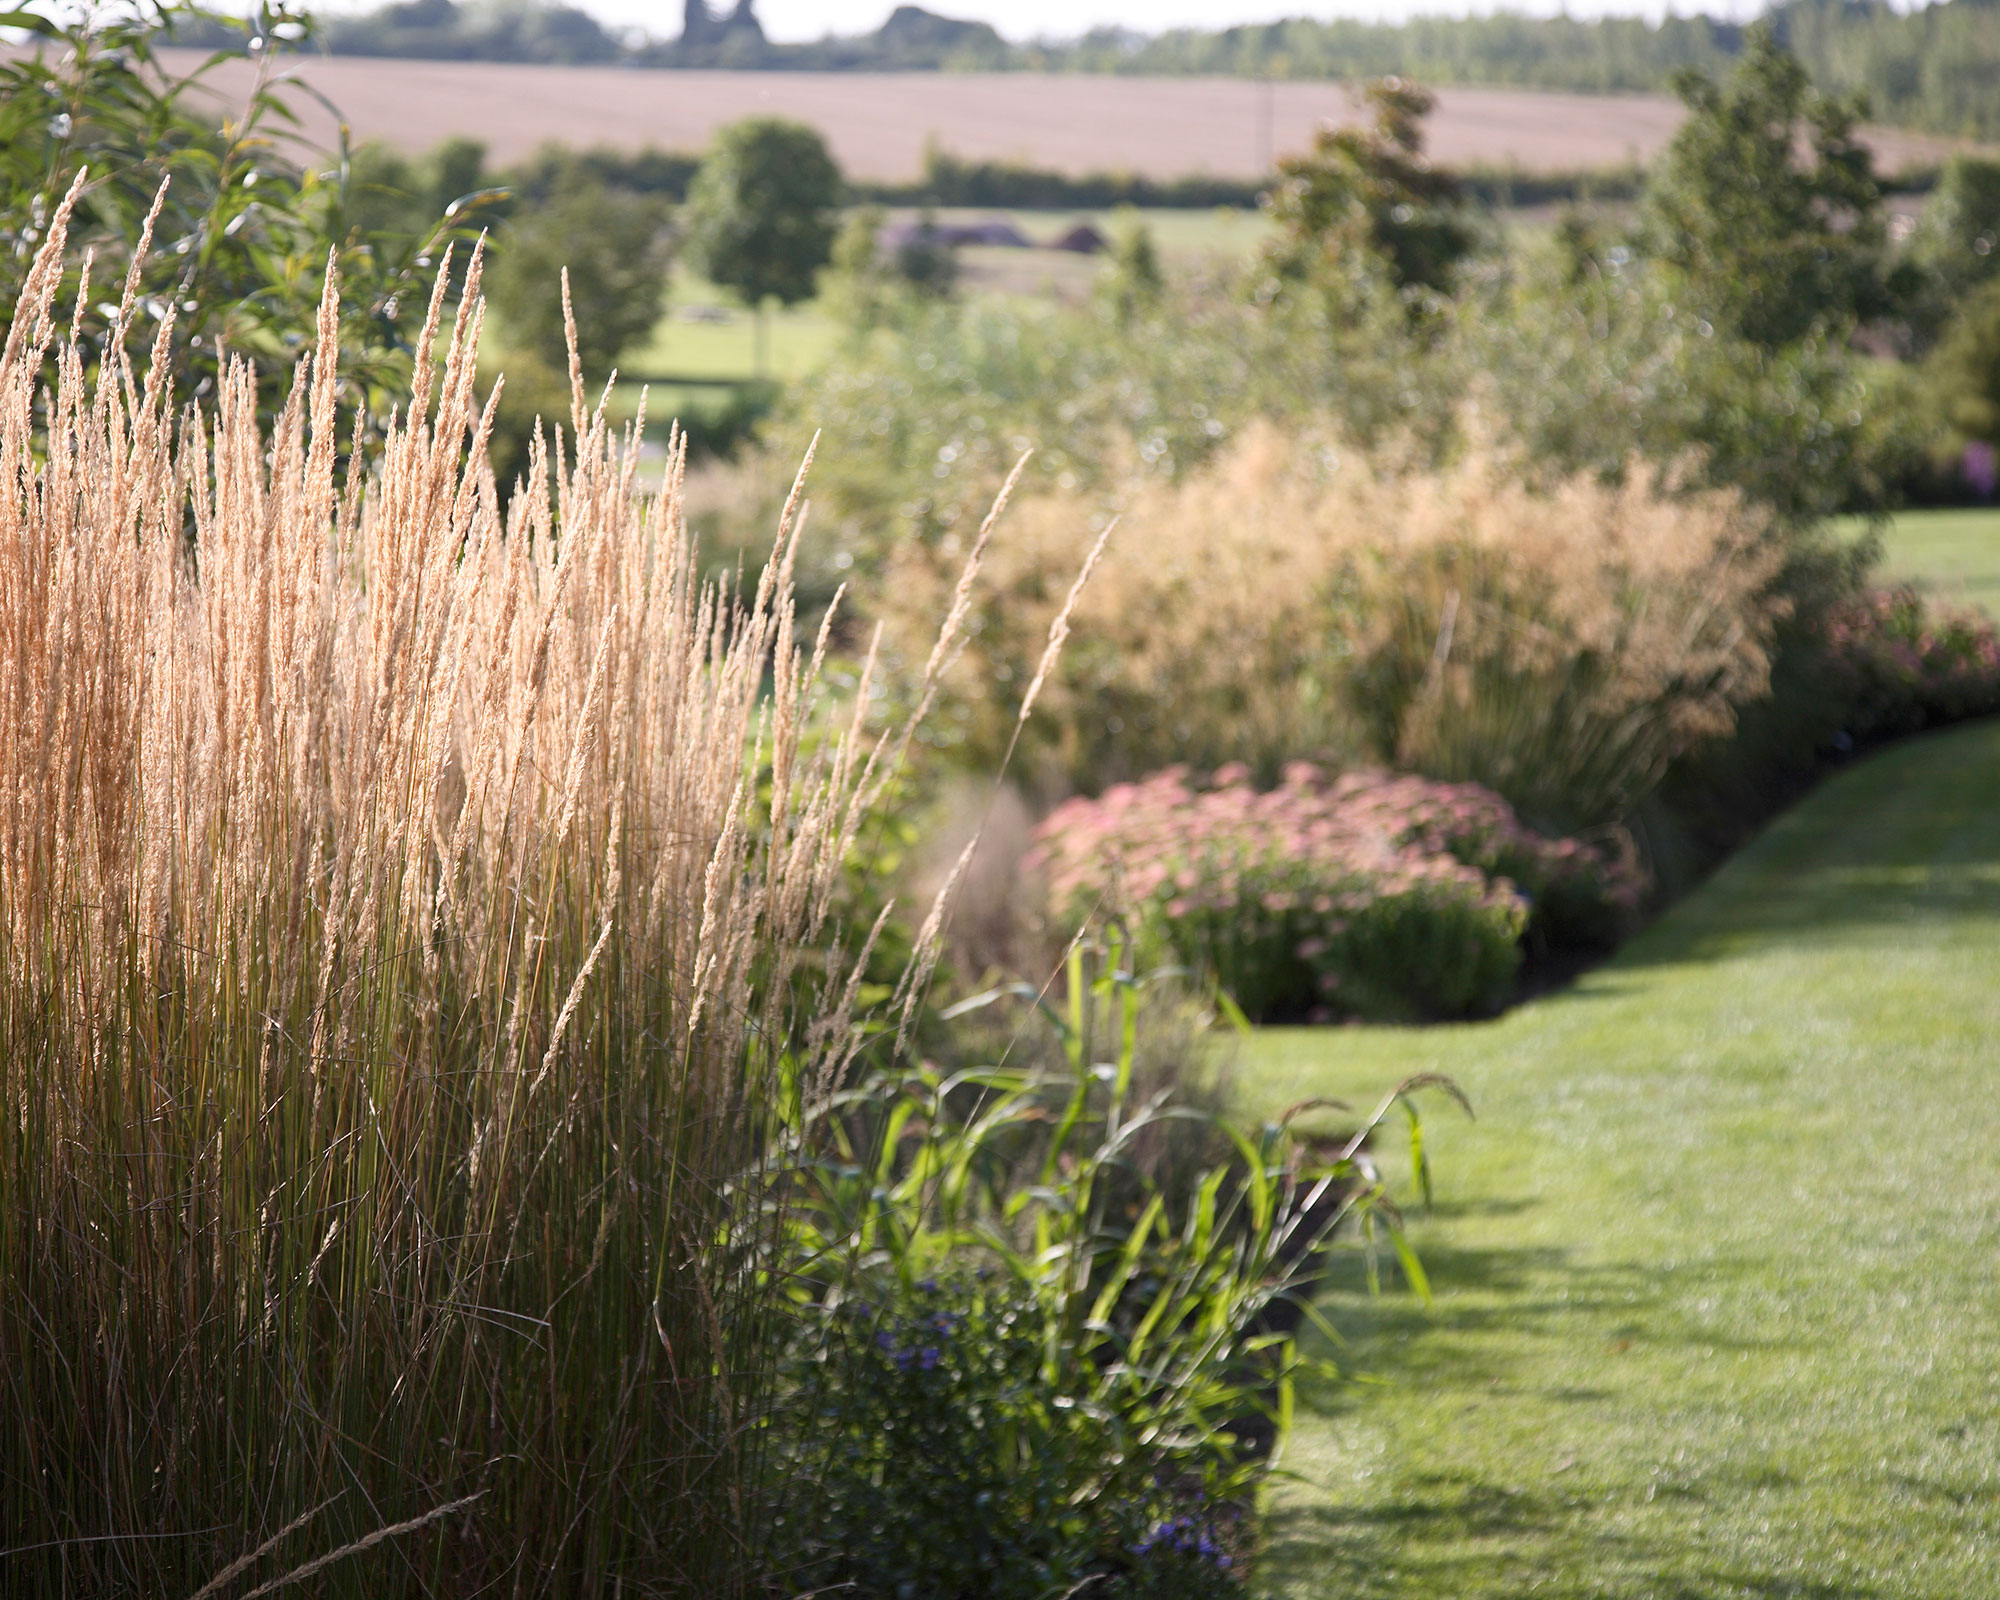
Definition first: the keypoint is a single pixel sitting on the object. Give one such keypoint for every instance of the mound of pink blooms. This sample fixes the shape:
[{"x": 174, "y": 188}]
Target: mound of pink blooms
[
  {"x": 1363, "y": 894},
  {"x": 1901, "y": 666}
]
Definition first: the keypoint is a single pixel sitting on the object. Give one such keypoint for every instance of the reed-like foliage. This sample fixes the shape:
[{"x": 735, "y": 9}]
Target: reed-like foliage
[
  {"x": 1050, "y": 1308},
  {"x": 402, "y": 910}
]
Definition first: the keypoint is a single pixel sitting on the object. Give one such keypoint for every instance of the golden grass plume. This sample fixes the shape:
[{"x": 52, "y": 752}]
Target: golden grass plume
[{"x": 412, "y": 913}]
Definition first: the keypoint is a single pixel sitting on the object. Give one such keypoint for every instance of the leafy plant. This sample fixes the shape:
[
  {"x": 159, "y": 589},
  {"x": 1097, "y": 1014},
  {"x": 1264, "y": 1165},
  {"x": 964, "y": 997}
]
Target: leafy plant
[
  {"x": 1025, "y": 1366},
  {"x": 241, "y": 233}
]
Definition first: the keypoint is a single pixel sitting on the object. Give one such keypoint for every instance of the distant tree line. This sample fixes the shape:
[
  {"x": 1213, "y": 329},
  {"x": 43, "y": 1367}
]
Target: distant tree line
[
  {"x": 952, "y": 180},
  {"x": 1935, "y": 66}
]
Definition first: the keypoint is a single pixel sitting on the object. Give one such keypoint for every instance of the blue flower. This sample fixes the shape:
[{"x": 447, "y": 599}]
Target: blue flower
[{"x": 1183, "y": 1536}]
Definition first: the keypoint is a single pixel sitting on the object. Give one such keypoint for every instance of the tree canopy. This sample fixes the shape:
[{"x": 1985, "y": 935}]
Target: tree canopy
[
  {"x": 617, "y": 251},
  {"x": 1371, "y": 189},
  {"x": 763, "y": 210},
  {"x": 1766, "y": 204}
]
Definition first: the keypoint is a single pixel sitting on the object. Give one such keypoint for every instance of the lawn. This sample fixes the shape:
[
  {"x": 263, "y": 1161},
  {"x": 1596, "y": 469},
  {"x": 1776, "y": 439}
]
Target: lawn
[
  {"x": 1953, "y": 554},
  {"x": 1717, "y": 1313}
]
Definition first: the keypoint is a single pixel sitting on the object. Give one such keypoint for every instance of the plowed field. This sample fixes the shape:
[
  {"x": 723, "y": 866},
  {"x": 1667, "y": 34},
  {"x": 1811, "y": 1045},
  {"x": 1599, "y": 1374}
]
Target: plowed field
[{"x": 878, "y": 124}]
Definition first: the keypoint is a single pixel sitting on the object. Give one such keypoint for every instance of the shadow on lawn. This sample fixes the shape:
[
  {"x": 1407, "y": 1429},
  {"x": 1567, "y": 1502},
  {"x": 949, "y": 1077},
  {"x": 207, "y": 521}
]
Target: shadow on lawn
[
  {"x": 1535, "y": 1290},
  {"x": 1459, "y": 1533},
  {"x": 1626, "y": 1309},
  {"x": 1828, "y": 906},
  {"x": 1452, "y": 1534}
]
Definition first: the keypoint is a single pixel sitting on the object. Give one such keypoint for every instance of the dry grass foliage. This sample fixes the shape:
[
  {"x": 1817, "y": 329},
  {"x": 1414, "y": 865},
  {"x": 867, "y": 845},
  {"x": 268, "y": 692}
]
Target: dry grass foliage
[
  {"x": 401, "y": 917},
  {"x": 1300, "y": 598},
  {"x": 1196, "y": 641}
]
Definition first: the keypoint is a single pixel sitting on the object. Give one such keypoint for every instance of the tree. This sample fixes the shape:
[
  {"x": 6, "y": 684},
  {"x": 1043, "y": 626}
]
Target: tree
[
  {"x": 499, "y": 30},
  {"x": 1966, "y": 367},
  {"x": 617, "y": 250},
  {"x": 857, "y": 288},
  {"x": 1134, "y": 282},
  {"x": 926, "y": 262},
  {"x": 1370, "y": 193},
  {"x": 1956, "y": 246},
  {"x": 1765, "y": 204},
  {"x": 762, "y": 212},
  {"x": 241, "y": 242}
]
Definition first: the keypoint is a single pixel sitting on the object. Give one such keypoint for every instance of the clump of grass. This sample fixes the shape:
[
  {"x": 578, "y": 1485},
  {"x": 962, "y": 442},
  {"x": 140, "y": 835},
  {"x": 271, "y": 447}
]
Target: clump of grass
[
  {"x": 1301, "y": 597},
  {"x": 406, "y": 912}
]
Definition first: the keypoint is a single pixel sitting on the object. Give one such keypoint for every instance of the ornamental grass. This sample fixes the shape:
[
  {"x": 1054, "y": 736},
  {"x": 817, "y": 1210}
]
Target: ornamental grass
[
  {"x": 1299, "y": 597},
  {"x": 407, "y": 913}
]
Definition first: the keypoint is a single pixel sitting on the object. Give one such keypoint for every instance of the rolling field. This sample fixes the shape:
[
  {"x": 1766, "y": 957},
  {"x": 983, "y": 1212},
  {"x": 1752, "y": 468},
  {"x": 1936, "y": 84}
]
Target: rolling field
[{"x": 878, "y": 124}]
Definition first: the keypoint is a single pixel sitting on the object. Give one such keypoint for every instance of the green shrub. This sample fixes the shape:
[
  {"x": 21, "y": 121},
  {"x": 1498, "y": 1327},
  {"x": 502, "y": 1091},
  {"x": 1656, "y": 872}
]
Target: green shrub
[
  {"x": 1588, "y": 366},
  {"x": 952, "y": 1467},
  {"x": 1024, "y": 1366}
]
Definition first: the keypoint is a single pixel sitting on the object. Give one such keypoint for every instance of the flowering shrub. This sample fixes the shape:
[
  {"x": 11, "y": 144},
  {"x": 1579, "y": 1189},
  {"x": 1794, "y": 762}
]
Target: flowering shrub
[
  {"x": 1366, "y": 894},
  {"x": 1578, "y": 894},
  {"x": 1900, "y": 667}
]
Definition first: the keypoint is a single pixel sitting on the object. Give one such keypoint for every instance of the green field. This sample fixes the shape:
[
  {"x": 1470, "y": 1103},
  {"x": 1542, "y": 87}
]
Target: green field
[
  {"x": 1952, "y": 554},
  {"x": 1716, "y": 1312},
  {"x": 687, "y": 344},
  {"x": 708, "y": 337}
]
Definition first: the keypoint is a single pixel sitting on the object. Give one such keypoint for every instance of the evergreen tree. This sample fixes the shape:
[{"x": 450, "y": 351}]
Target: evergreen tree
[
  {"x": 1766, "y": 205},
  {"x": 1371, "y": 191}
]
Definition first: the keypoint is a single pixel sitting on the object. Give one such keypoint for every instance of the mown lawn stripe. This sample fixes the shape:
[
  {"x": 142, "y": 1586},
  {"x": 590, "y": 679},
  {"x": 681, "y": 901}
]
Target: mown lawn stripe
[{"x": 1717, "y": 1312}]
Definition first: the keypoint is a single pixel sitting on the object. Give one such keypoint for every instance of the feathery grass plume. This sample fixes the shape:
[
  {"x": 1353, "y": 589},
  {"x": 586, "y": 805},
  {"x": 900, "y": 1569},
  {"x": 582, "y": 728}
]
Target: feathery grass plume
[
  {"x": 400, "y": 925},
  {"x": 1298, "y": 597}
]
